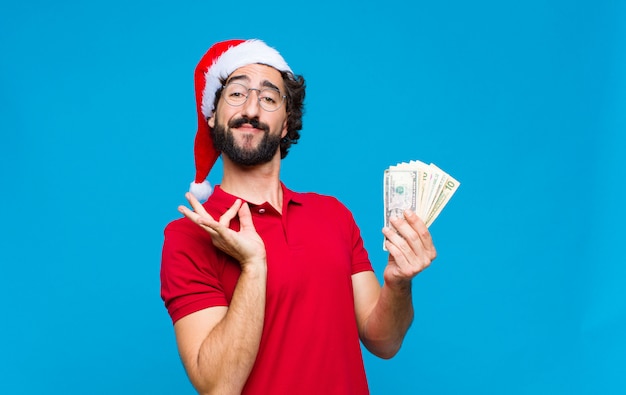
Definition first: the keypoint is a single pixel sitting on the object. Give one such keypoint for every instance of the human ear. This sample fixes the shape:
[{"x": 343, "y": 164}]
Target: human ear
[{"x": 285, "y": 130}]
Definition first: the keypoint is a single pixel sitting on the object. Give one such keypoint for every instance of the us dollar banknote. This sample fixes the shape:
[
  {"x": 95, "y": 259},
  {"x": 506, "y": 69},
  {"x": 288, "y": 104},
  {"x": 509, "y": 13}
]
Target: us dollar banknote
[{"x": 423, "y": 188}]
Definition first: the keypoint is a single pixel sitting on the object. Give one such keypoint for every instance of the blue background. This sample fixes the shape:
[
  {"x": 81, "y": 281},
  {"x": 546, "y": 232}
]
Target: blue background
[{"x": 523, "y": 102}]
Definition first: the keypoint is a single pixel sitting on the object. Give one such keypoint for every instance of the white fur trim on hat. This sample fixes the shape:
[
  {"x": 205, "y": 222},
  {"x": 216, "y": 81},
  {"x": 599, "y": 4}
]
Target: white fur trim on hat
[{"x": 248, "y": 52}]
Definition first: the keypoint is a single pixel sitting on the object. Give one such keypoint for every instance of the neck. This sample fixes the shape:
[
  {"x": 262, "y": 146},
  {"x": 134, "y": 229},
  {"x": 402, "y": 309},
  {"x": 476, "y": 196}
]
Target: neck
[{"x": 255, "y": 184}]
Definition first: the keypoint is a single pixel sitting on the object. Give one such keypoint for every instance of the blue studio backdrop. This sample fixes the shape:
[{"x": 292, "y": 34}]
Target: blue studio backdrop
[{"x": 523, "y": 102}]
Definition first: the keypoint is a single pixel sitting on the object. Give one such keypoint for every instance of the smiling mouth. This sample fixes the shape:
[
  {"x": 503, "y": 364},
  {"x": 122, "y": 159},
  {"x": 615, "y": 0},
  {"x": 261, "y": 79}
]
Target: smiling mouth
[{"x": 247, "y": 126}]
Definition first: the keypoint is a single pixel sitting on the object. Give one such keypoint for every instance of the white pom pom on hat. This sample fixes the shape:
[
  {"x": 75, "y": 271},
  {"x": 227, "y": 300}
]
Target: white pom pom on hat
[{"x": 215, "y": 66}]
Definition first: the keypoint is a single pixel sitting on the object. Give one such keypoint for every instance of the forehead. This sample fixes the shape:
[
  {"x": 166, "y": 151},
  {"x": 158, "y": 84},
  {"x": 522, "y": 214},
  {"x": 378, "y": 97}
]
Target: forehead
[{"x": 257, "y": 75}]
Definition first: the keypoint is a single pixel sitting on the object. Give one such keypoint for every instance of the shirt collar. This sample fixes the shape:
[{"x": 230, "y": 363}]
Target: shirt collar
[{"x": 223, "y": 200}]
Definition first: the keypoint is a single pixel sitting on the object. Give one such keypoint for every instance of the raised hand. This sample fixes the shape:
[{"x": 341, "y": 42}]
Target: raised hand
[
  {"x": 410, "y": 247},
  {"x": 246, "y": 246}
]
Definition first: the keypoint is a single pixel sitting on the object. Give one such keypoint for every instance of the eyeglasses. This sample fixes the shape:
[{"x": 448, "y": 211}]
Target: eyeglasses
[{"x": 236, "y": 95}]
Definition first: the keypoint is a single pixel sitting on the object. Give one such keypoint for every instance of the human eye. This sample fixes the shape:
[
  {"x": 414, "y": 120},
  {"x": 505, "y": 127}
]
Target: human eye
[
  {"x": 236, "y": 91},
  {"x": 270, "y": 96},
  {"x": 268, "y": 100}
]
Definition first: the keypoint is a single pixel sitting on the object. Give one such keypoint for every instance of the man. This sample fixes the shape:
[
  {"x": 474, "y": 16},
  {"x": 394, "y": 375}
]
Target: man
[{"x": 271, "y": 290}]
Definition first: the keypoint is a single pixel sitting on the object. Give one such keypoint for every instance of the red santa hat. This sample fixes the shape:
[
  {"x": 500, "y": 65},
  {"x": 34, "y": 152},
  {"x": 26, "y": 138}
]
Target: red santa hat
[{"x": 215, "y": 66}]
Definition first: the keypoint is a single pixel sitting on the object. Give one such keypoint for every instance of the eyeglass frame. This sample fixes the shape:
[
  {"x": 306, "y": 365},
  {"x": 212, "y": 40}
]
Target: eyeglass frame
[{"x": 258, "y": 98}]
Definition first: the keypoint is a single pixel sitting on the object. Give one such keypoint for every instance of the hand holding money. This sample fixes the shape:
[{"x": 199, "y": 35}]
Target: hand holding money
[{"x": 424, "y": 189}]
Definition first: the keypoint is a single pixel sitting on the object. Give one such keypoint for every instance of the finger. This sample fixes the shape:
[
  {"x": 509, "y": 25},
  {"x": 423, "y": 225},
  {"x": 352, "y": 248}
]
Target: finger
[
  {"x": 391, "y": 234},
  {"x": 195, "y": 204},
  {"x": 393, "y": 251},
  {"x": 392, "y": 238},
  {"x": 407, "y": 233},
  {"x": 192, "y": 215},
  {"x": 412, "y": 241},
  {"x": 206, "y": 223},
  {"x": 398, "y": 247},
  {"x": 245, "y": 217},
  {"x": 198, "y": 208},
  {"x": 412, "y": 229},
  {"x": 199, "y": 215},
  {"x": 418, "y": 225},
  {"x": 405, "y": 260},
  {"x": 422, "y": 232},
  {"x": 230, "y": 213}
]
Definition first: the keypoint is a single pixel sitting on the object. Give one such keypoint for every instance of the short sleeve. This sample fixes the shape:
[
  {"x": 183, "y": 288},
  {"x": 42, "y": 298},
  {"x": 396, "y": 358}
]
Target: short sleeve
[{"x": 189, "y": 272}]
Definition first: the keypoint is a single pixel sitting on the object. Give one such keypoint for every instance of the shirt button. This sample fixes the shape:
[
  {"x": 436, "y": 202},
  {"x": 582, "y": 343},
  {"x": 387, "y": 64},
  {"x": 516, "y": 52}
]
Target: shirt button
[{"x": 261, "y": 210}]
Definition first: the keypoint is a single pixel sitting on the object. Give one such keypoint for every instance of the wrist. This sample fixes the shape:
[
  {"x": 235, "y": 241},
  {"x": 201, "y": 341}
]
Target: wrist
[
  {"x": 399, "y": 286},
  {"x": 255, "y": 266}
]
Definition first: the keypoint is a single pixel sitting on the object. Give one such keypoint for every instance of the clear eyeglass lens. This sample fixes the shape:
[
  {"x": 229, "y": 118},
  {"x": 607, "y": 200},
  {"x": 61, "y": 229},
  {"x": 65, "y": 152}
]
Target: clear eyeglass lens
[{"x": 236, "y": 94}]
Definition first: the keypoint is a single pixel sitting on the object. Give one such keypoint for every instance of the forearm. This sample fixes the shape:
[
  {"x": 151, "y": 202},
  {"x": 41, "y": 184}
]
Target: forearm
[
  {"x": 389, "y": 320},
  {"x": 411, "y": 250},
  {"x": 227, "y": 354}
]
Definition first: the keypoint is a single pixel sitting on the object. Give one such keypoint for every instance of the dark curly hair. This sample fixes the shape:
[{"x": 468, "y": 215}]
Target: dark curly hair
[{"x": 295, "y": 91}]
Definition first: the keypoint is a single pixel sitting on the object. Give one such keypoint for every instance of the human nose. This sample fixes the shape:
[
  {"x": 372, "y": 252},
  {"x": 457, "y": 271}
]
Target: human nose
[{"x": 251, "y": 105}]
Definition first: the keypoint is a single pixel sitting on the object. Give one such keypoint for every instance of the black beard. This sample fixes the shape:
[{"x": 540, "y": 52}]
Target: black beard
[{"x": 224, "y": 141}]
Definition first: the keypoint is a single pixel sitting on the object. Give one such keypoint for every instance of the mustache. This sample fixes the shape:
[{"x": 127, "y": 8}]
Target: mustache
[{"x": 254, "y": 122}]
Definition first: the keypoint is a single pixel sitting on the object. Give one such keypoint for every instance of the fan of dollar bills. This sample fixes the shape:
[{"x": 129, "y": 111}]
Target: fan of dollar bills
[{"x": 423, "y": 188}]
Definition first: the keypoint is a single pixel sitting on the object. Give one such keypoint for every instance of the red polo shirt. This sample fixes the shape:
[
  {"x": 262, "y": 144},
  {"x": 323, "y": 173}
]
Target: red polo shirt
[{"x": 310, "y": 342}]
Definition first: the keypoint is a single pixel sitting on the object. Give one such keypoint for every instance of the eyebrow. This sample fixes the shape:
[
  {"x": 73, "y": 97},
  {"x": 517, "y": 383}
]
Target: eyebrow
[{"x": 265, "y": 83}]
